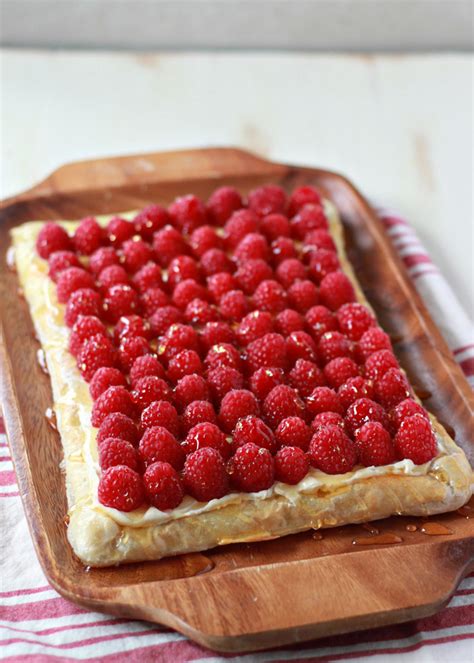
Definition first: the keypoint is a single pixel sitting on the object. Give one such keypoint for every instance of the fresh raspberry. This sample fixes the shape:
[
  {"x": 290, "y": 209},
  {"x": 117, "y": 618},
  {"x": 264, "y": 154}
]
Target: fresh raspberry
[
  {"x": 264, "y": 379},
  {"x": 318, "y": 239},
  {"x": 234, "y": 305},
  {"x": 378, "y": 363},
  {"x": 373, "y": 340},
  {"x": 96, "y": 351},
  {"x": 282, "y": 249},
  {"x": 253, "y": 429},
  {"x": 200, "y": 312},
  {"x": 288, "y": 321},
  {"x": 191, "y": 388},
  {"x": 301, "y": 196},
  {"x": 132, "y": 347},
  {"x": 354, "y": 319},
  {"x": 205, "y": 476},
  {"x": 144, "y": 366},
  {"x": 188, "y": 213},
  {"x": 182, "y": 268},
  {"x": 270, "y": 296},
  {"x": 293, "y": 432},
  {"x": 303, "y": 295},
  {"x": 392, "y": 388},
  {"x": 305, "y": 376},
  {"x": 268, "y": 351},
  {"x": 252, "y": 468},
  {"x": 207, "y": 435},
  {"x": 198, "y": 412},
  {"x": 106, "y": 377},
  {"x": 103, "y": 257},
  {"x": 121, "y": 488},
  {"x": 178, "y": 337},
  {"x": 362, "y": 411},
  {"x": 113, "y": 399},
  {"x": 160, "y": 413},
  {"x": 72, "y": 279},
  {"x": 282, "y": 402},
  {"x": 136, "y": 254},
  {"x": 82, "y": 302},
  {"x": 203, "y": 239},
  {"x": 321, "y": 263},
  {"x": 300, "y": 345},
  {"x": 241, "y": 223},
  {"x": 113, "y": 275},
  {"x": 167, "y": 244},
  {"x": 163, "y": 318},
  {"x": 274, "y": 226},
  {"x": 117, "y": 425},
  {"x": 331, "y": 451},
  {"x": 291, "y": 465},
  {"x": 267, "y": 199},
  {"x": 152, "y": 300},
  {"x": 150, "y": 220},
  {"x": 289, "y": 271},
  {"x": 52, "y": 237},
  {"x": 184, "y": 363},
  {"x": 254, "y": 326},
  {"x": 374, "y": 444},
  {"x": 235, "y": 405},
  {"x": 88, "y": 236},
  {"x": 163, "y": 486},
  {"x": 223, "y": 379},
  {"x": 320, "y": 320},
  {"x": 222, "y": 203},
  {"x": 148, "y": 276},
  {"x": 416, "y": 440},
  {"x": 84, "y": 328},
  {"x": 115, "y": 451},
  {"x": 333, "y": 344},
  {"x": 219, "y": 284},
  {"x": 159, "y": 445},
  {"x": 216, "y": 332},
  {"x": 404, "y": 409},
  {"x": 310, "y": 217},
  {"x": 251, "y": 273},
  {"x": 131, "y": 325},
  {"x": 253, "y": 247},
  {"x": 223, "y": 354},
  {"x": 326, "y": 419},
  {"x": 120, "y": 300},
  {"x": 149, "y": 389},
  {"x": 118, "y": 230},
  {"x": 339, "y": 370},
  {"x": 354, "y": 389},
  {"x": 61, "y": 260},
  {"x": 186, "y": 291},
  {"x": 215, "y": 261},
  {"x": 324, "y": 399},
  {"x": 335, "y": 290}
]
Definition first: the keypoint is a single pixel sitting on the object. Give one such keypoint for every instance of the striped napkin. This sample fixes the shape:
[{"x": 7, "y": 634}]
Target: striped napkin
[{"x": 36, "y": 624}]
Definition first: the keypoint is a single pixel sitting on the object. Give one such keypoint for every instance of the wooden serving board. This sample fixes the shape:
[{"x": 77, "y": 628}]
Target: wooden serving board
[{"x": 253, "y": 596}]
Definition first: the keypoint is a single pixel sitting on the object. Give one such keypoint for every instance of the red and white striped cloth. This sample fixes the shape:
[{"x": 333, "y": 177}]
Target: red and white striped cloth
[{"x": 36, "y": 624}]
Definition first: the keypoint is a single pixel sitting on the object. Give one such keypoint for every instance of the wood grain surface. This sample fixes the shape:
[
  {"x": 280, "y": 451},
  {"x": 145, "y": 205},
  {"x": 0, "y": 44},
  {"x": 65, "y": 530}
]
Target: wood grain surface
[{"x": 249, "y": 596}]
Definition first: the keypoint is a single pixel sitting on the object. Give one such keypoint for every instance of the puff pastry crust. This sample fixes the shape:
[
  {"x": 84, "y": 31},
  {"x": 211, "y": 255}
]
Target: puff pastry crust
[{"x": 102, "y": 537}]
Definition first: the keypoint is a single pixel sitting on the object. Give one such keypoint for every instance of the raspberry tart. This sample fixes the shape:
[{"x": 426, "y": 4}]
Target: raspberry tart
[{"x": 218, "y": 376}]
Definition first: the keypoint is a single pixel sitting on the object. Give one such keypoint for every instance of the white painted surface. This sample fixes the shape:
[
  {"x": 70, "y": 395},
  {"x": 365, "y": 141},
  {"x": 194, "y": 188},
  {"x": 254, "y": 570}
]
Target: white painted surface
[{"x": 401, "y": 127}]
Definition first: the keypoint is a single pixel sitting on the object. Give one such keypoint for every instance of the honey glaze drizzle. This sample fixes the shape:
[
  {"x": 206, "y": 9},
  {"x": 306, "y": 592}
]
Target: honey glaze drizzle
[
  {"x": 435, "y": 529},
  {"x": 41, "y": 357},
  {"x": 377, "y": 539},
  {"x": 50, "y": 415},
  {"x": 370, "y": 528},
  {"x": 411, "y": 528}
]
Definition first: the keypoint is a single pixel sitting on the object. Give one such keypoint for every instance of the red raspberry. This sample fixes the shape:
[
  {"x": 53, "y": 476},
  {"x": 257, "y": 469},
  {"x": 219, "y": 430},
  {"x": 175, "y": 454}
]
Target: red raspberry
[
  {"x": 270, "y": 296},
  {"x": 159, "y": 445},
  {"x": 178, "y": 337},
  {"x": 132, "y": 347},
  {"x": 339, "y": 370},
  {"x": 264, "y": 379},
  {"x": 219, "y": 284},
  {"x": 223, "y": 354},
  {"x": 291, "y": 465},
  {"x": 203, "y": 239},
  {"x": 373, "y": 340},
  {"x": 113, "y": 399},
  {"x": 119, "y": 230},
  {"x": 354, "y": 319},
  {"x": 293, "y": 432},
  {"x": 184, "y": 363},
  {"x": 268, "y": 351},
  {"x": 362, "y": 411},
  {"x": 253, "y": 429},
  {"x": 121, "y": 488},
  {"x": 274, "y": 226},
  {"x": 310, "y": 217},
  {"x": 163, "y": 486},
  {"x": 199, "y": 312},
  {"x": 354, "y": 389},
  {"x": 61, "y": 260},
  {"x": 148, "y": 276},
  {"x": 222, "y": 203},
  {"x": 131, "y": 325},
  {"x": 252, "y": 468},
  {"x": 254, "y": 326},
  {"x": 52, "y": 237},
  {"x": 301, "y": 196},
  {"x": 104, "y": 257},
  {"x": 326, "y": 419},
  {"x": 374, "y": 445},
  {"x": 149, "y": 389},
  {"x": 120, "y": 300},
  {"x": 150, "y": 220},
  {"x": 392, "y": 388},
  {"x": 188, "y": 213},
  {"x": 282, "y": 402},
  {"x": 335, "y": 290},
  {"x": 96, "y": 351},
  {"x": 153, "y": 299},
  {"x": 235, "y": 405},
  {"x": 167, "y": 244},
  {"x": 267, "y": 199},
  {"x": 253, "y": 247},
  {"x": 320, "y": 320},
  {"x": 205, "y": 476},
  {"x": 106, "y": 377},
  {"x": 186, "y": 291},
  {"x": 72, "y": 279},
  {"x": 282, "y": 249},
  {"x": 416, "y": 440},
  {"x": 115, "y": 451},
  {"x": 242, "y": 222},
  {"x": 84, "y": 328},
  {"x": 234, "y": 305},
  {"x": 191, "y": 388},
  {"x": 331, "y": 451},
  {"x": 87, "y": 236},
  {"x": 288, "y": 321},
  {"x": 163, "y": 414},
  {"x": 251, "y": 273},
  {"x": 144, "y": 366},
  {"x": 333, "y": 344},
  {"x": 300, "y": 345},
  {"x": 404, "y": 409},
  {"x": 324, "y": 399},
  {"x": 305, "y": 376},
  {"x": 321, "y": 263},
  {"x": 289, "y": 271},
  {"x": 182, "y": 268},
  {"x": 117, "y": 425},
  {"x": 163, "y": 318},
  {"x": 82, "y": 302},
  {"x": 215, "y": 261},
  {"x": 318, "y": 239},
  {"x": 378, "y": 363},
  {"x": 136, "y": 254},
  {"x": 223, "y": 379},
  {"x": 207, "y": 435},
  {"x": 198, "y": 412},
  {"x": 216, "y": 332},
  {"x": 302, "y": 295},
  {"x": 113, "y": 275}
]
